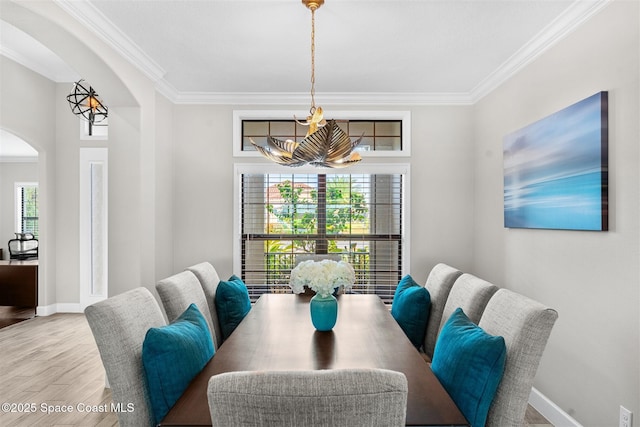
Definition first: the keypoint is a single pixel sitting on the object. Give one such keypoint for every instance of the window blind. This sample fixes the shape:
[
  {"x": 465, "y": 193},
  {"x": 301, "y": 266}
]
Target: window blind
[
  {"x": 29, "y": 209},
  {"x": 354, "y": 217}
]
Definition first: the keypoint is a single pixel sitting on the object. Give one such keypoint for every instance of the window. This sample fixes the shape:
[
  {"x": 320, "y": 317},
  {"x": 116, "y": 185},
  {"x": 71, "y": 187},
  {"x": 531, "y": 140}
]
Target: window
[
  {"x": 385, "y": 133},
  {"x": 358, "y": 216},
  {"x": 377, "y": 135},
  {"x": 27, "y": 208},
  {"x": 94, "y": 224},
  {"x": 94, "y": 131}
]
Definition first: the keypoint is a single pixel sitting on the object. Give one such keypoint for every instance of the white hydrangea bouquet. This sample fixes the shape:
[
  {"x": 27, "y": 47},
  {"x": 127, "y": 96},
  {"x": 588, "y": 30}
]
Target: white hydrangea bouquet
[{"x": 322, "y": 276}]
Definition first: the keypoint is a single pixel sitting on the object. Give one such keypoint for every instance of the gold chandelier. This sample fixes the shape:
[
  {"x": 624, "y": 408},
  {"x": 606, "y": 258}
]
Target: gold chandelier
[{"x": 325, "y": 145}]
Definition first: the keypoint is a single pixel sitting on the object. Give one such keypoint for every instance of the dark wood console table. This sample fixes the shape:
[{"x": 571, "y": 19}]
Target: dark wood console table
[{"x": 19, "y": 283}]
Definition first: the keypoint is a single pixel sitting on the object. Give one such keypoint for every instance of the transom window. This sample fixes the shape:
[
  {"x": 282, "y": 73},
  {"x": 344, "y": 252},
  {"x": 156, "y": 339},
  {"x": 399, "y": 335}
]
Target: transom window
[
  {"x": 385, "y": 133},
  {"x": 377, "y": 135}
]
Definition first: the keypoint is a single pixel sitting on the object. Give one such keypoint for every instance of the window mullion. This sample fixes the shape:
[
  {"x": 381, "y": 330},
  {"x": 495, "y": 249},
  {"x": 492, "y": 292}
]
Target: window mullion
[
  {"x": 23, "y": 200},
  {"x": 322, "y": 246},
  {"x": 365, "y": 215}
]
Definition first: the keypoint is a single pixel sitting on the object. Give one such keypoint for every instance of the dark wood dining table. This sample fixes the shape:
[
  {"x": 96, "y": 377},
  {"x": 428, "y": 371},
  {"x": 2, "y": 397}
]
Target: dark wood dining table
[{"x": 277, "y": 334}]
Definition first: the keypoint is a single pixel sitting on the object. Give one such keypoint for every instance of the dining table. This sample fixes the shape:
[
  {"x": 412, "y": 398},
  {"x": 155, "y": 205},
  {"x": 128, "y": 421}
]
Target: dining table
[{"x": 277, "y": 335}]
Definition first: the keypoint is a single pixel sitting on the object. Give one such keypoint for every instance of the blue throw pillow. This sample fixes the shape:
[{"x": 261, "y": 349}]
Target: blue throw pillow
[
  {"x": 232, "y": 304},
  {"x": 469, "y": 363},
  {"x": 172, "y": 356},
  {"x": 410, "y": 307}
]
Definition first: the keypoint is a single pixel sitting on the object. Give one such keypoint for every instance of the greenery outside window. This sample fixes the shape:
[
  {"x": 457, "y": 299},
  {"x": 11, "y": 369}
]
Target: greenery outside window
[
  {"x": 359, "y": 216},
  {"x": 27, "y": 208}
]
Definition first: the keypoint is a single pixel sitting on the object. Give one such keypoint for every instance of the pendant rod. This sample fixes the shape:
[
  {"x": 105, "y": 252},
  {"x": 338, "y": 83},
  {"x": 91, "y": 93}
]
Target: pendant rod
[{"x": 313, "y": 61}]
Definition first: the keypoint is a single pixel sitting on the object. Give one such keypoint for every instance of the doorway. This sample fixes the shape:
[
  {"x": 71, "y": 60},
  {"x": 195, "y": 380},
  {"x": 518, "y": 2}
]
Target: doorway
[{"x": 19, "y": 213}]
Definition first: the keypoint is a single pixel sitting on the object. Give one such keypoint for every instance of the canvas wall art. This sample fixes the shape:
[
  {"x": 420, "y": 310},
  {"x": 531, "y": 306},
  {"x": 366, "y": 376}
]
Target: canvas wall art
[{"x": 555, "y": 170}]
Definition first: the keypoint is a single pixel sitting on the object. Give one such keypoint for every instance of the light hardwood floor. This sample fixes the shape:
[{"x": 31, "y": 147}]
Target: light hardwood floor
[
  {"x": 53, "y": 361},
  {"x": 12, "y": 315}
]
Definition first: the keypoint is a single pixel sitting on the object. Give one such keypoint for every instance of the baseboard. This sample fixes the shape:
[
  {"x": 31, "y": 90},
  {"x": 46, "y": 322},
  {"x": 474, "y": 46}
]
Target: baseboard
[
  {"x": 48, "y": 310},
  {"x": 550, "y": 410}
]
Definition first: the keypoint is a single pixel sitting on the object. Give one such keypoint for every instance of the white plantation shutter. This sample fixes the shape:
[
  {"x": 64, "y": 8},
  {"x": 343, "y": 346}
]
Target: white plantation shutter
[{"x": 356, "y": 216}]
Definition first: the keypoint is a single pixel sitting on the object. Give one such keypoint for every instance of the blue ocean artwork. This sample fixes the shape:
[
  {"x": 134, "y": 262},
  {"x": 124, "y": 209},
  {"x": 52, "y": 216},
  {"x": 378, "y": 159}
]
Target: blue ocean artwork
[{"x": 555, "y": 170}]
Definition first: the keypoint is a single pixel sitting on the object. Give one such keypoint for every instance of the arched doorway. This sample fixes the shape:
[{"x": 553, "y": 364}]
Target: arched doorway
[
  {"x": 131, "y": 157},
  {"x": 19, "y": 213}
]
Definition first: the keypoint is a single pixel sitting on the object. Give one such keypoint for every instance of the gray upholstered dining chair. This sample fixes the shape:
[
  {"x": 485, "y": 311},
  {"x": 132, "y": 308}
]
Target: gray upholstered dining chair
[
  {"x": 471, "y": 294},
  {"x": 177, "y": 292},
  {"x": 119, "y": 325},
  {"x": 439, "y": 283},
  {"x": 525, "y": 325},
  {"x": 324, "y": 398},
  {"x": 209, "y": 279}
]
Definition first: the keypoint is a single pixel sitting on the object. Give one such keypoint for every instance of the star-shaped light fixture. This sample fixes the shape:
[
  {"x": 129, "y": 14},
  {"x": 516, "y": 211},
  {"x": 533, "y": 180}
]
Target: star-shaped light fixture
[{"x": 325, "y": 145}]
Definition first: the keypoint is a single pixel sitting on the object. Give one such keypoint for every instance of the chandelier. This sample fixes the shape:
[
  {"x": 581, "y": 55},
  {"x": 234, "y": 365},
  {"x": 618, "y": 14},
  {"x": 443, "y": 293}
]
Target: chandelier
[
  {"x": 86, "y": 103},
  {"x": 325, "y": 145}
]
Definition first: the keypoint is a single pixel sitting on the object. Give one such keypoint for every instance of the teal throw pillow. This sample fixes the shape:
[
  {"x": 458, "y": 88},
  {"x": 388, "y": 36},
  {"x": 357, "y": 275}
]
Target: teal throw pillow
[
  {"x": 410, "y": 307},
  {"x": 172, "y": 356},
  {"x": 232, "y": 304},
  {"x": 469, "y": 363}
]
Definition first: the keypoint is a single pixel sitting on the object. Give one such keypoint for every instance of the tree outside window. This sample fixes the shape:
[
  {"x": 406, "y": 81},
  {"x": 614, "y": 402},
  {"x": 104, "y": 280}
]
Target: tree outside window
[
  {"x": 27, "y": 209},
  {"x": 286, "y": 217}
]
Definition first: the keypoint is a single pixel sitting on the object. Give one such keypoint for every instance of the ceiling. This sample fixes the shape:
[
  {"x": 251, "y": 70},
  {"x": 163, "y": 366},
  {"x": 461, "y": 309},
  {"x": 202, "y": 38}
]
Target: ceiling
[
  {"x": 361, "y": 46},
  {"x": 386, "y": 51},
  {"x": 372, "y": 52}
]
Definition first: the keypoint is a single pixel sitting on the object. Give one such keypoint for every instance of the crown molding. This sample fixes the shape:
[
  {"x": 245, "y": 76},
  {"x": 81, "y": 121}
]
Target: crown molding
[
  {"x": 94, "y": 20},
  {"x": 168, "y": 90},
  {"x": 325, "y": 98},
  {"x": 574, "y": 16}
]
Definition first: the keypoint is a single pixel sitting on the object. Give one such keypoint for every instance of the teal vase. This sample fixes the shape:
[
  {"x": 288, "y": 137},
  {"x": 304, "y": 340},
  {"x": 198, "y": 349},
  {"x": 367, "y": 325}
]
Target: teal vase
[{"x": 324, "y": 312}]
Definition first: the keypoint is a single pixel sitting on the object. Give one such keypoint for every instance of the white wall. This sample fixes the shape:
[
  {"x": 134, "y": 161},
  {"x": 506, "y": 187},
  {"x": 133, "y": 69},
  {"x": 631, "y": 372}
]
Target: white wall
[
  {"x": 125, "y": 246},
  {"x": 442, "y": 166},
  {"x": 135, "y": 224},
  {"x": 203, "y": 187},
  {"x": 590, "y": 366},
  {"x": 164, "y": 188},
  {"x": 27, "y": 95},
  {"x": 66, "y": 230},
  {"x": 441, "y": 187}
]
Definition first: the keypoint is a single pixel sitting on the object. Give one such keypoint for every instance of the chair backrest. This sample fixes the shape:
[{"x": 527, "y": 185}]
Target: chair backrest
[
  {"x": 23, "y": 247},
  {"x": 439, "y": 283},
  {"x": 209, "y": 279},
  {"x": 179, "y": 291},
  {"x": 119, "y": 325},
  {"x": 471, "y": 294},
  {"x": 349, "y": 397},
  {"x": 525, "y": 325}
]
